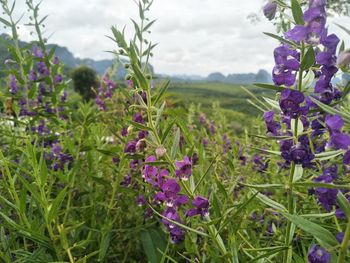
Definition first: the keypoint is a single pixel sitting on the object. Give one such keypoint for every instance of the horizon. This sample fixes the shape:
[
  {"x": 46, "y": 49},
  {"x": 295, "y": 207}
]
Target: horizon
[{"x": 215, "y": 38}]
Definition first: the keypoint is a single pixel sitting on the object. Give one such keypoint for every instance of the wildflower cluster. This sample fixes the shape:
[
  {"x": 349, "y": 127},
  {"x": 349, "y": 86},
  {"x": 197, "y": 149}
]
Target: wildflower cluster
[{"x": 305, "y": 67}]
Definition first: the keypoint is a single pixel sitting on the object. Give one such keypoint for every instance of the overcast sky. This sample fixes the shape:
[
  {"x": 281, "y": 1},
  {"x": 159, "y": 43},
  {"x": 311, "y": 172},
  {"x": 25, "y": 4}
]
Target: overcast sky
[{"x": 194, "y": 36}]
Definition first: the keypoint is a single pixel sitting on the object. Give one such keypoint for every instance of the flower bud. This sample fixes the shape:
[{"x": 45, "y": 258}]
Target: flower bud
[
  {"x": 270, "y": 10},
  {"x": 140, "y": 145},
  {"x": 130, "y": 128},
  {"x": 344, "y": 59},
  {"x": 160, "y": 151}
]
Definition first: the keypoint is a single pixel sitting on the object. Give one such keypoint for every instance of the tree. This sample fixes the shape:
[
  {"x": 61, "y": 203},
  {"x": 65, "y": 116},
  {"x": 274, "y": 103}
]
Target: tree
[{"x": 85, "y": 82}]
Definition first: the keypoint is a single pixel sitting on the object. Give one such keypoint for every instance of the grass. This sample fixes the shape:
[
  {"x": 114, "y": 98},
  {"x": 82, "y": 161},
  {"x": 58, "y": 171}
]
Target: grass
[{"x": 230, "y": 96}]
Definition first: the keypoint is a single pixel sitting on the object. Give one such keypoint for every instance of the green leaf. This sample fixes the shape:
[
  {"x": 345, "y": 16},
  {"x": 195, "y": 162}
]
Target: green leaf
[
  {"x": 163, "y": 88},
  {"x": 269, "y": 202},
  {"x": 140, "y": 126},
  {"x": 300, "y": 126},
  {"x": 141, "y": 12},
  {"x": 331, "y": 110},
  {"x": 344, "y": 204},
  {"x": 154, "y": 243},
  {"x": 179, "y": 224},
  {"x": 269, "y": 253},
  {"x": 263, "y": 186},
  {"x": 346, "y": 90},
  {"x": 323, "y": 185},
  {"x": 344, "y": 28},
  {"x": 104, "y": 245},
  {"x": 56, "y": 204},
  {"x": 148, "y": 25},
  {"x": 268, "y": 151},
  {"x": 175, "y": 144},
  {"x": 281, "y": 39},
  {"x": 137, "y": 30},
  {"x": 309, "y": 59},
  {"x": 342, "y": 47},
  {"x": 102, "y": 181},
  {"x": 157, "y": 163},
  {"x": 298, "y": 173},
  {"x": 269, "y": 86},
  {"x": 274, "y": 104},
  {"x": 21, "y": 230},
  {"x": 297, "y": 12},
  {"x": 324, "y": 215},
  {"x": 205, "y": 174},
  {"x": 167, "y": 130},
  {"x": 323, "y": 236},
  {"x": 328, "y": 155},
  {"x": 5, "y": 22}
]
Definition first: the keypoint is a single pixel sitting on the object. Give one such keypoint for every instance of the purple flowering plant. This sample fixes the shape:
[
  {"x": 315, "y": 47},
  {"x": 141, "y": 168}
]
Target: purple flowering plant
[
  {"x": 308, "y": 126},
  {"x": 131, "y": 177}
]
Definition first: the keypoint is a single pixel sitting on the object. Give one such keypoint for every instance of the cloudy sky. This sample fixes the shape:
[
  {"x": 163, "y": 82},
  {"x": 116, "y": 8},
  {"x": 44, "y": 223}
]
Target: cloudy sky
[{"x": 194, "y": 36}]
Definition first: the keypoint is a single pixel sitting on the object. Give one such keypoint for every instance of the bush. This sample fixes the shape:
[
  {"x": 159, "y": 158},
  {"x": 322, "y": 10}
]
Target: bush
[{"x": 85, "y": 82}]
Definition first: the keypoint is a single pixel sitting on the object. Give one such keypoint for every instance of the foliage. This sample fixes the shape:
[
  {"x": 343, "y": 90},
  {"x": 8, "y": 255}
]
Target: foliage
[
  {"x": 85, "y": 82},
  {"x": 139, "y": 176}
]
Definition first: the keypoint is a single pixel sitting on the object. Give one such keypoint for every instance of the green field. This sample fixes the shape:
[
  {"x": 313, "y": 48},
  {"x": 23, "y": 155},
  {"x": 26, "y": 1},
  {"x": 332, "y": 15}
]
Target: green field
[{"x": 230, "y": 96}]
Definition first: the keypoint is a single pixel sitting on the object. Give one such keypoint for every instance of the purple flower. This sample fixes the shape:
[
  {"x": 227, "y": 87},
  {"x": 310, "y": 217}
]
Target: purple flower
[
  {"x": 141, "y": 200},
  {"x": 313, "y": 31},
  {"x": 64, "y": 96},
  {"x": 270, "y": 10},
  {"x": 126, "y": 181},
  {"x": 42, "y": 69},
  {"x": 149, "y": 172},
  {"x": 201, "y": 207},
  {"x": 55, "y": 60},
  {"x": 32, "y": 76},
  {"x": 346, "y": 158},
  {"x": 58, "y": 79},
  {"x": 130, "y": 147},
  {"x": 171, "y": 188},
  {"x": 301, "y": 154},
  {"x": 326, "y": 197},
  {"x": 290, "y": 101},
  {"x": 202, "y": 119},
  {"x": 124, "y": 132},
  {"x": 340, "y": 237},
  {"x": 56, "y": 150},
  {"x": 142, "y": 135},
  {"x": 138, "y": 118},
  {"x": 184, "y": 168},
  {"x": 334, "y": 123},
  {"x": 177, "y": 234},
  {"x": 13, "y": 84},
  {"x": 36, "y": 51},
  {"x": 287, "y": 64},
  {"x": 272, "y": 126},
  {"x": 212, "y": 127},
  {"x": 340, "y": 141},
  {"x": 259, "y": 164},
  {"x": 101, "y": 104},
  {"x": 326, "y": 58},
  {"x": 317, "y": 3},
  {"x": 318, "y": 254},
  {"x": 331, "y": 171}
]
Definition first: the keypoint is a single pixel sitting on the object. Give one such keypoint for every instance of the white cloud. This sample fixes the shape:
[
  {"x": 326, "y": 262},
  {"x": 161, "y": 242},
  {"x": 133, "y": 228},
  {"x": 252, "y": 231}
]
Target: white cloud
[{"x": 194, "y": 36}]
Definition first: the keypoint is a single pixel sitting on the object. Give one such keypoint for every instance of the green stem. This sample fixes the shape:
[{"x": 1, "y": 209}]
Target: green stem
[
  {"x": 344, "y": 245},
  {"x": 213, "y": 232},
  {"x": 288, "y": 253}
]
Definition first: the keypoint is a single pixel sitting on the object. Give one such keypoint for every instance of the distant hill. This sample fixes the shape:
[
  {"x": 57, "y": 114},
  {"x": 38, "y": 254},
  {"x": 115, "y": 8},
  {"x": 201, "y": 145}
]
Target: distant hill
[
  {"x": 244, "y": 78},
  {"x": 70, "y": 61}
]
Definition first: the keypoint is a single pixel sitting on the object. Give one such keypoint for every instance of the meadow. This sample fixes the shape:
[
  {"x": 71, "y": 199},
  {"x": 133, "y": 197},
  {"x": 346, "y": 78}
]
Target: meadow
[{"x": 152, "y": 171}]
